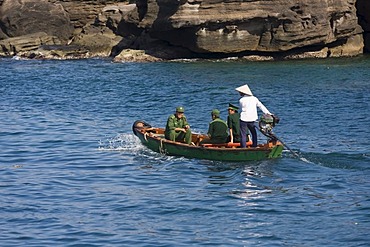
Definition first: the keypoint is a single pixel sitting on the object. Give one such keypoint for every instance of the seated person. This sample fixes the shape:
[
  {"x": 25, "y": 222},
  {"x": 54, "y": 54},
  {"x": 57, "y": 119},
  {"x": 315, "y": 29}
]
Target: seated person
[
  {"x": 233, "y": 123},
  {"x": 217, "y": 130},
  {"x": 177, "y": 127}
]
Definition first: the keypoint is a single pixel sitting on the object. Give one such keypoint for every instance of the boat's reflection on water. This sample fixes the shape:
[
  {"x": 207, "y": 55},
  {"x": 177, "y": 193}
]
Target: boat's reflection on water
[
  {"x": 243, "y": 181},
  {"x": 248, "y": 169},
  {"x": 256, "y": 184}
]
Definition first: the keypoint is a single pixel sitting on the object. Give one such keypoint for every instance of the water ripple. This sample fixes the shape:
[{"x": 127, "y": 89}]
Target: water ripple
[{"x": 73, "y": 173}]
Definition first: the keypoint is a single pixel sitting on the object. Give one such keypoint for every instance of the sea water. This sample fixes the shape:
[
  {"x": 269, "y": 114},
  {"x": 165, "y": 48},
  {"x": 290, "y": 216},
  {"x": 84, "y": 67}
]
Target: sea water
[{"x": 73, "y": 174}]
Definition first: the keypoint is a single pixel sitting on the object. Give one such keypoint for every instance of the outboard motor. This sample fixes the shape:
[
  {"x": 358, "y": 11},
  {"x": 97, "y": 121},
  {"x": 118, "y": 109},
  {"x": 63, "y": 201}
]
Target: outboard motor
[{"x": 266, "y": 123}]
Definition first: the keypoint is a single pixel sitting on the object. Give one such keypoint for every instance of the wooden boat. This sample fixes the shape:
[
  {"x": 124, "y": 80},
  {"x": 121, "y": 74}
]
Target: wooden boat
[{"x": 154, "y": 139}]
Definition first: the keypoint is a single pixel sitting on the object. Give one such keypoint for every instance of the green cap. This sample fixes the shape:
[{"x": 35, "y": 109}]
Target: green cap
[
  {"x": 233, "y": 107},
  {"x": 180, "y": 109},
  {"x": 216, "y": 112}
]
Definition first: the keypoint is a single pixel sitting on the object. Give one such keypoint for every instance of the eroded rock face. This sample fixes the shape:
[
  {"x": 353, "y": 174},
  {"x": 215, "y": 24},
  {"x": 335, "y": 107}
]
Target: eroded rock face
[
  {"x": 25, "y": 17},
  {"x": 26, "y": 43},
  {"x": 206, "y": 26},
  {"x": 76, "y": 26},
  {"x": 170, "y": 29}
]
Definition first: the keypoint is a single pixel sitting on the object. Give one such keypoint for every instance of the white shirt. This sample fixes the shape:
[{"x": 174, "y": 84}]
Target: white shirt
[{"x": 248, "y": 105}]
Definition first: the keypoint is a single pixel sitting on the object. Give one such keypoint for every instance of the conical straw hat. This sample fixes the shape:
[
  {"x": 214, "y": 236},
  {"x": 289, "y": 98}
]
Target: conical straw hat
[{"x": 244, "y": 89}]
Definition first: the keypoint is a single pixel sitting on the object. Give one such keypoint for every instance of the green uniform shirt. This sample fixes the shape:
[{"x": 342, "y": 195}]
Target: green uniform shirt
[
  {"x": 217, "y": 130},
  {"x": 173, "y": 122},
  {"x": 234, "y": 124}
]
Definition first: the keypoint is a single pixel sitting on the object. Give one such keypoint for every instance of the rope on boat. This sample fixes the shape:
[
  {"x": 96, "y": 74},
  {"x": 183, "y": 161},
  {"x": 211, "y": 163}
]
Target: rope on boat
[
  {"x": 145, "y": 136},
  {"x": 161, "y": 149}
]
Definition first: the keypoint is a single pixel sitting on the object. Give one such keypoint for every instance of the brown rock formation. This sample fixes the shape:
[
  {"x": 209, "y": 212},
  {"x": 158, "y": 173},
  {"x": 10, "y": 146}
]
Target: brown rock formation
[
  {"x": 166, "y": 29},
  {"x": 278, "y": 27},
  {"x": 25, "y": 17},
  {"x": 135, "y": 56},
  {"x": 26, "y": 43},
  {"x": 71, "y": 23}
]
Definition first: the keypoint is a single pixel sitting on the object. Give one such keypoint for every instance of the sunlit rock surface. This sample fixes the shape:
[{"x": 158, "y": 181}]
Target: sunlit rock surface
[{"x": 167, "y": 29}]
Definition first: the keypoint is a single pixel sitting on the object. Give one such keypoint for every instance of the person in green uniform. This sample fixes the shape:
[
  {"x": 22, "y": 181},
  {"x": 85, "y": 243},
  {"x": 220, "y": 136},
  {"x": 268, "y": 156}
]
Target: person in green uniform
[
  {"x": 217, "y": 130},
  {"x": 233, "y": 123},
  {"x": 177, "y": 127}
]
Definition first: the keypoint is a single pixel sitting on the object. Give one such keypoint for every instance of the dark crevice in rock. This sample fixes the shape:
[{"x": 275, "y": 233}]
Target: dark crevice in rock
[
  {"x": 363, "y": 15},
  {"x": 260, "y": 55},
  {"x": 142, "y": 7}
]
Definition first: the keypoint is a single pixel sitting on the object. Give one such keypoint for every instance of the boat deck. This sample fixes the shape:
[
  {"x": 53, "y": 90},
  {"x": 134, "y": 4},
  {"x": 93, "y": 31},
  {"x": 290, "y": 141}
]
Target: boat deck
[{"x": 158, "y": 133}]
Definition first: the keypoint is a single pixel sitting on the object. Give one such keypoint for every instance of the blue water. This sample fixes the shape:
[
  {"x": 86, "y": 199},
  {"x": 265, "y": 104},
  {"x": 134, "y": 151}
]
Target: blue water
[{"x": 73, "y": 174}]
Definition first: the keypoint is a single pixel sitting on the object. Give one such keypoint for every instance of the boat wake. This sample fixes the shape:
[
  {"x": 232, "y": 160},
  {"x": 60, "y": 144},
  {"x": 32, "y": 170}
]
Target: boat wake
[
  {"x": 131, "y": 144},
  {"x": 121, "y": 142},
  {"x": 306, "y": 160},
  {"x": 337, "y": 160},
  {"x": 297, "y": 155},
  {"x": 334, "y": 159}
]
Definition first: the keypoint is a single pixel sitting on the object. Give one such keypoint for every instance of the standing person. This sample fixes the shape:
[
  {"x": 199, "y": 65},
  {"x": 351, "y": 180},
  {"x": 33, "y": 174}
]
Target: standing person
[
  {"x": 248, "y": 104},
  {"x": 177, "y": 127},
  {"x": 233, "y": 123},
  {"x": 217, "y": 130}
]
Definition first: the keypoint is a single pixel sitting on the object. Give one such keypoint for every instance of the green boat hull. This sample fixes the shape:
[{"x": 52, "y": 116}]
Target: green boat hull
[{"x": 158, "y": 144}]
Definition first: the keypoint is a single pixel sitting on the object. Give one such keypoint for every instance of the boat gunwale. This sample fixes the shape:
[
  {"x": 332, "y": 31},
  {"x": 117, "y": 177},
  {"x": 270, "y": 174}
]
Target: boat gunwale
[{"x": 222, "y": 147}]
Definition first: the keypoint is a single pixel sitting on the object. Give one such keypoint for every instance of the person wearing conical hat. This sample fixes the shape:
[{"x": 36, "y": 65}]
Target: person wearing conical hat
[
  {"x": 217, "y": 129},
  {"x": 233, "y": 123},
  {"x": 248, "y": 115},
  {"x": 177, "y": 127}
]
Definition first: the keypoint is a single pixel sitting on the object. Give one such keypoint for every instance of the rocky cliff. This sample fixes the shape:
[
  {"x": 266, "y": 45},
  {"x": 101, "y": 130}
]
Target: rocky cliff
[{"x": 168, "y": 29}]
